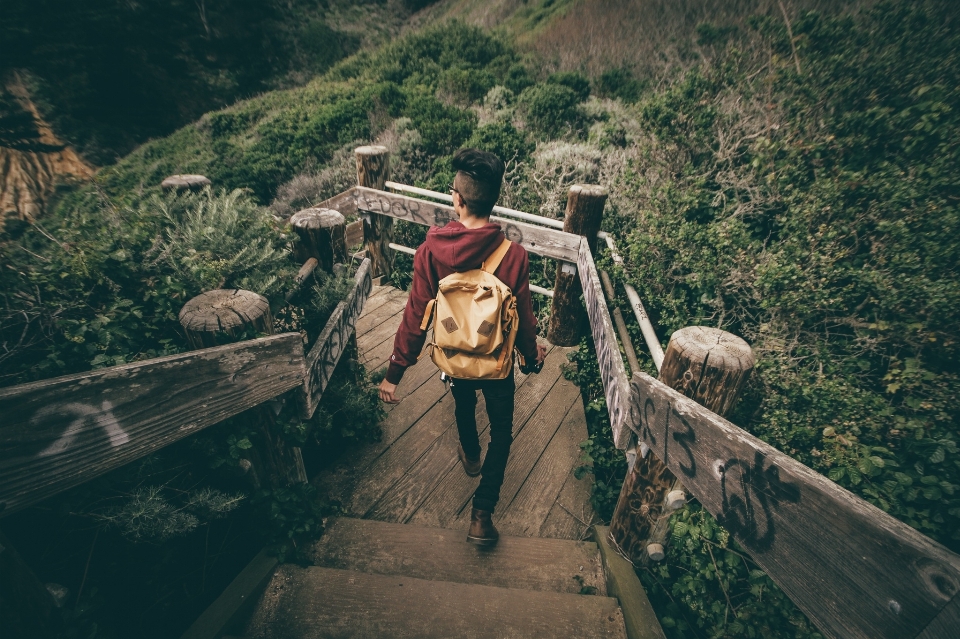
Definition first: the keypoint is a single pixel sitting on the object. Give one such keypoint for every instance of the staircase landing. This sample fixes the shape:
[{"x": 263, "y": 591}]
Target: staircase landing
[{"x": 413, "y": 475}]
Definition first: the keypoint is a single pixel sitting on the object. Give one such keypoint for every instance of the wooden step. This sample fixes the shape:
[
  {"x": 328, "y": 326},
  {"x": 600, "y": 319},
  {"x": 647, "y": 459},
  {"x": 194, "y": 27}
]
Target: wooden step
[
  {"x": 556, "y": 565},
  {"x": 328, "y": 603}
]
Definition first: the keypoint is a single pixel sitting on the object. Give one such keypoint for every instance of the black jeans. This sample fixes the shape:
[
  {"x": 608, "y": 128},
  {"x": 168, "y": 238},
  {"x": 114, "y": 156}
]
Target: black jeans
[{"x": 498, "y": 395}]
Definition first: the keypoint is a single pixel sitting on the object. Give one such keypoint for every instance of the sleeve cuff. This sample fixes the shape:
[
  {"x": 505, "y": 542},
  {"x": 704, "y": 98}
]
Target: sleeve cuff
[{"x": 395, "y": 373}]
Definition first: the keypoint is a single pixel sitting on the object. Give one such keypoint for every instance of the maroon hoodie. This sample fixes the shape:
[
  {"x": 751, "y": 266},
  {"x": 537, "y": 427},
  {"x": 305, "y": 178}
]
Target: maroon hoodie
[{"x": 455, "y": 249}]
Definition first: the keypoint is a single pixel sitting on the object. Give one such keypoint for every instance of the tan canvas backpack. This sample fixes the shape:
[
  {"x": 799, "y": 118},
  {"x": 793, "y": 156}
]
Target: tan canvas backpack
[{"x": 475, "y": 322}]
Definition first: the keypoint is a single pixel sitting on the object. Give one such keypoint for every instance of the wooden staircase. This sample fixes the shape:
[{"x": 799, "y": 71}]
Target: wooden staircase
[{"x": 378, "y": 579}]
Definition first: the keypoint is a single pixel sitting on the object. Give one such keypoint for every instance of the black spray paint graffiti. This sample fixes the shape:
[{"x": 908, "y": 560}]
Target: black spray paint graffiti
[
  {"x": 337, "y": 332},
  {"x": 612, "y": 372},
  {"x": 750, "y": 493},
  {"x": 101, "y": 417},
  {"x": 405, "y": 208},
  {"x": 748, "y": 513},
  {"x": 683, "y": 438}
]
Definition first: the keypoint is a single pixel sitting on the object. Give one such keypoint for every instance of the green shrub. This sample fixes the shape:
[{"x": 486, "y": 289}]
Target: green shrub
[
  {"x": 549, "y": 109},
  {"x": 517, "y": 78},
  {"x": 708, "y": 586},
  {"x": 574, "y": 81},
  {"x": 619, "y": 83},
  {"x": 443, "y": 129},
  {"x": 503, "y": 140},
  {"x": 220, "y": 241}
]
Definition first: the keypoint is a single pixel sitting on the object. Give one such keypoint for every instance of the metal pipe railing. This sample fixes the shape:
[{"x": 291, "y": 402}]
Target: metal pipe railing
[{"x": 646, "y": 326}]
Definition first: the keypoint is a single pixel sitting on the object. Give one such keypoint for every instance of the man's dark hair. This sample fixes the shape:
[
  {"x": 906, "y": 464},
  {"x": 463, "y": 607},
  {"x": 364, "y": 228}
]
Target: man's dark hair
[{"x": 479, "y": 176}]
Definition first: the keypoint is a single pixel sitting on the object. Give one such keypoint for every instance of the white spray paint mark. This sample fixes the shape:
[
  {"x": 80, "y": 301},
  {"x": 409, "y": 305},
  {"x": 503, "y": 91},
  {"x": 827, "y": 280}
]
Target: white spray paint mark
[{"x": 103, "y": 417}]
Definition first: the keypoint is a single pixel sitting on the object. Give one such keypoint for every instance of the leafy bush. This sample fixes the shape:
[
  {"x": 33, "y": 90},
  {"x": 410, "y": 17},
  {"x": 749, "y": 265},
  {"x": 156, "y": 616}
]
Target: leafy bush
[
  {"x": 707, "y": 586},
  {"x": 577, "y": 82},
  {"x": 619, "y": 83},
  {"x": 220, "y": 241},
  {"x": 503, "y": 140},
  {"x": 838, "y": 264},
  {"x": 549, "y": 109},
  {"x": 108, "y": 282}
]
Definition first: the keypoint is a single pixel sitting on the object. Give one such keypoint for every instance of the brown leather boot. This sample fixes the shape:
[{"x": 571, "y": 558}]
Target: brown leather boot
[
  {"x": 470, "y": 466},
  {"x": 482, "y": 531}
]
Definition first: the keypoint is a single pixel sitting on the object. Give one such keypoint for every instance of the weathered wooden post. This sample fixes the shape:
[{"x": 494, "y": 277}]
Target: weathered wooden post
[
  {"x": 205, "y": 320},
  {"x": 180, "y": 183},
  {"x": 711, "y": 367},
  {"x": 323, "y": 237},
  {"x": 373, "y": 167},
  {"x": 321, "y": 234},
  {"x": 584, "y": 213}
]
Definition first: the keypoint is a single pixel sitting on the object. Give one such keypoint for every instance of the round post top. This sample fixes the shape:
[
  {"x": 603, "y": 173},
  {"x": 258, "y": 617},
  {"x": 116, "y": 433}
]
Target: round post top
[
  {"x": 185, "y": 181},
  {"x": 313, "y": 218},
  {"x": 372, "y": 150},
  {"x": 223, "y": 310}
]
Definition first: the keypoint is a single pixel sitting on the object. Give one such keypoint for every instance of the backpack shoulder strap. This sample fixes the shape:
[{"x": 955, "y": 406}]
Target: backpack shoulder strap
[{"x": 491, "y": 263}]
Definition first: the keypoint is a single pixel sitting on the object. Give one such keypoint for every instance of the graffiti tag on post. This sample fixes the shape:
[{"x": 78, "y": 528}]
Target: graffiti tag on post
[
  {"x": 325, "y": 354},
  {"x": 745, "y": 489}
]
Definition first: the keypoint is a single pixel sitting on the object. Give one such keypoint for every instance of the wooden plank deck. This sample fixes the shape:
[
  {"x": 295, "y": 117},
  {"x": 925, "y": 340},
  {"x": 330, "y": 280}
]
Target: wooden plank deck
[{"x": 413, "y": 474}]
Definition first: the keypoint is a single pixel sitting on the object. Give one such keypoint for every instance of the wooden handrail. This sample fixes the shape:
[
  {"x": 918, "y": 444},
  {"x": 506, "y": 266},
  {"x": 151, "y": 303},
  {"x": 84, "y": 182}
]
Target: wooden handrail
[
  {"x": 853, "y": 569},
  {"x": 61, "y": 432},
  {"x": 58, "y": 433},
  {"x": 536, "y": 239},
  {"x": 323, "y": 357}
]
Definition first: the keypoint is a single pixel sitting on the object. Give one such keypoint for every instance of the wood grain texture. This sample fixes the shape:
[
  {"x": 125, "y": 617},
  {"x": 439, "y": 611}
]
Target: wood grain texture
[
  {"x": 391, "y": 467},
  {"x": 711, "y": 367},
  {"x": 945, "y": 625},
  {"x": 388, "y": 305},
  {"x": 853, "y": 569},
  {"x": 582, "y": 217},
  {"x": 345, "y": 202},
  {"x": 638, "y": 616},
  {"x": 555, "y": 565},
  {"x": 531, "y": 506},
  {"x": 360, "y": 605},
  {"x": 539, "y": 240},
  {"x": 616, "y": 387},
  {"x": 61, "y": 432},
  {"x": 354, "y": 233},
  {"x": 222, "y": 315},
  {"x": 373, "y": 167},
  {"x": 321, "y": 234},
  {"x": 708, "y": 365},
  {"x": 421, "y": 386},
  {"x": 323, "y": 357}
]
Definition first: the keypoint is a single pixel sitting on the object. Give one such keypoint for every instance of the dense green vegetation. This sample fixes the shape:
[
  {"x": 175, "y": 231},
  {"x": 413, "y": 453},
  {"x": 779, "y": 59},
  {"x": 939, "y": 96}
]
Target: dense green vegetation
[
  {"x": 109, "y": 75},
  {"x": 801, "y": 193},
  {"x": 809, "y": 202}
]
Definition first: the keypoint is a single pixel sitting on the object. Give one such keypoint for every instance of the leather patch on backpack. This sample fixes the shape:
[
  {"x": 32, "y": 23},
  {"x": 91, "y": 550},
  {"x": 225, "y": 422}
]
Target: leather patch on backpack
[
  {"x": 486, "y": 328},
  {"x": 450, "y": 325},
  {"x": 449, "y": 352}
]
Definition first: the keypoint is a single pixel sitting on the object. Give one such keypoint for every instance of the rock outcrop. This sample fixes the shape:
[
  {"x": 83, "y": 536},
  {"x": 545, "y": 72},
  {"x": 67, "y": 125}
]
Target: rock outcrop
[{"x": 32, "y": 158}]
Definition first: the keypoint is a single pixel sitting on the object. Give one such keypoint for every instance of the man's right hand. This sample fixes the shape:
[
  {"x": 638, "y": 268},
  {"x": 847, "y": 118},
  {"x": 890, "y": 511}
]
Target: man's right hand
[
  {"x": 541, "y": 353},
  {"x": 388, "y": 393}
]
